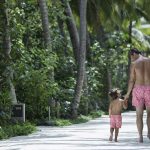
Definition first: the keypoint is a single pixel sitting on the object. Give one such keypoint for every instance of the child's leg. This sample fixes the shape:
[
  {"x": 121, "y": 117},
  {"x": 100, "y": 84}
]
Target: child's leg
[
  {"x": 116, "y": 134},
  {"x": 111, "y": 134}
]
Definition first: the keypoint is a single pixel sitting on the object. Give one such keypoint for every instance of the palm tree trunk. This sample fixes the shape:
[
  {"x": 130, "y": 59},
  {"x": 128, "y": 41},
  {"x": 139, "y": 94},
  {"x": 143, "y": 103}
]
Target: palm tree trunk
[
  {"x": 7, "y": 41},
  {"x": 45, "y": 23},
  {"x": 74, "y": 36},
  {"x": 7, "y": 49},
  {"x": 81, "y": 65}
]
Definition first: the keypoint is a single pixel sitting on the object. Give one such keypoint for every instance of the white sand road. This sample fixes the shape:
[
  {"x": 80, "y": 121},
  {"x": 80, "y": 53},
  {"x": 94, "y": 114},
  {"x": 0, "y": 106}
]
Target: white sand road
[{"x": 92, "y": 135}]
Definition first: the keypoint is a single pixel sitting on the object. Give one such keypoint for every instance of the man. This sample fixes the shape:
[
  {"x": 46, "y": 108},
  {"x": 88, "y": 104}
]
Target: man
[{"x": 139, "y": 82}]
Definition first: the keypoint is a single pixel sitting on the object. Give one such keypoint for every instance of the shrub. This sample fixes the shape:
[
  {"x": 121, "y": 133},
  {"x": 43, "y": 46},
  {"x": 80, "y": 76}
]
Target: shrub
[
  {"x": 16, "y": 130},
  {"x": 2, "y": 134},
  {"x": 81, "y": 119},
  {"x": 95, "y": 114},
  {"x": 62, "y": 122}
]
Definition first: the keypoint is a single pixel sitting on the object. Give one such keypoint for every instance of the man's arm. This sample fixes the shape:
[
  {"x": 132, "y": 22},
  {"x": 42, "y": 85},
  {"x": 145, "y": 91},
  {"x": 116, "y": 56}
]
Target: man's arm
[
  {"x": 131, "y": 81},
  {"x": 109, "y": 110}
]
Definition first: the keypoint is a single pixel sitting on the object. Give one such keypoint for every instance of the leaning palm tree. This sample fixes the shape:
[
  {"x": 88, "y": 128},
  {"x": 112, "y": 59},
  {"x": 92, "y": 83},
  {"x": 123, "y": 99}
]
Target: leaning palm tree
[{"x": 72, "y": 28}]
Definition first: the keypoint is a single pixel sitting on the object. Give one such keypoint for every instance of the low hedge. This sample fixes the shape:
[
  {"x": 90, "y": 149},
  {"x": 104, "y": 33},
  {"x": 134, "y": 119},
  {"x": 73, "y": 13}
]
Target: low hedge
[{"x": 16, "y": 130}]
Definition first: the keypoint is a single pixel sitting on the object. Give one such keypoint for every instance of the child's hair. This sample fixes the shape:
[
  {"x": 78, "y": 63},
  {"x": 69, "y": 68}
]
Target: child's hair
[
  {"x": 114, "y": 93},
  {"x": 134, "y": 50}
]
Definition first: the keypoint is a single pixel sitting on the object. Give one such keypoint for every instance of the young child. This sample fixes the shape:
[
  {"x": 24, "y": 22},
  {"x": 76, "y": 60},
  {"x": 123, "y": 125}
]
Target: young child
[{"x": 115, "y": 109}]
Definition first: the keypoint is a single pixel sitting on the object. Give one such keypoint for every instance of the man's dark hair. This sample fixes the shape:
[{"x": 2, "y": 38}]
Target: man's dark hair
[
  {"x": 134, "y": 50},
  {"x": 114, "y": 93}
]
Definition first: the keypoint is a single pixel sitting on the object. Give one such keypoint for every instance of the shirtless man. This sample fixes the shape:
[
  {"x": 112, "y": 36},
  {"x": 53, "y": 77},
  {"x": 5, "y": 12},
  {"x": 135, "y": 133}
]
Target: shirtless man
[{"x": 140, "y": 84}]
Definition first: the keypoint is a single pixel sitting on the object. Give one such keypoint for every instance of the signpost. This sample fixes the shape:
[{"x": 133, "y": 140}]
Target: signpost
[{"x": 18, "y": 112}]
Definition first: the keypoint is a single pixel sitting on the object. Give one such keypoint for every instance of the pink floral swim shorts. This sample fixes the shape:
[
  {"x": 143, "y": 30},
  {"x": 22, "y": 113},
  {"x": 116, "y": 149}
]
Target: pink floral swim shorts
[
  {"x": 141, "y": 96},
  {"x": 115, "y": 121}
]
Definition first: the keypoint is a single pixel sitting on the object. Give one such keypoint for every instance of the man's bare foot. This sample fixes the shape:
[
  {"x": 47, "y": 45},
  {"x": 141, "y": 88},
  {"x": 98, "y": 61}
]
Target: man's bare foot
[
  {"x": 110, "y": 138},
  {"x": 141, "y": 139}
]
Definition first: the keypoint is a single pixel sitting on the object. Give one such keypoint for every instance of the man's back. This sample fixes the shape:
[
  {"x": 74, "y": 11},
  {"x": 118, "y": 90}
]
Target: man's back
[{"x": 142, "y": 71}]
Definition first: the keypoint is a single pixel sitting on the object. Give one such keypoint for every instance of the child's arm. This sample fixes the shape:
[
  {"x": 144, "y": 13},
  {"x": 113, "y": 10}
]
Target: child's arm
[{"x": 124, "y": 103}]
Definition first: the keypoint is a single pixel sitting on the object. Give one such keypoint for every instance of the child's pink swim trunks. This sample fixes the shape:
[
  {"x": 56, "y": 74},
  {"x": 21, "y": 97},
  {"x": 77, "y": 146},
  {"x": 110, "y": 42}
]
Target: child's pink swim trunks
[
  {"x": 115, "y": 121},
  {"x": 141, "y": 96}
]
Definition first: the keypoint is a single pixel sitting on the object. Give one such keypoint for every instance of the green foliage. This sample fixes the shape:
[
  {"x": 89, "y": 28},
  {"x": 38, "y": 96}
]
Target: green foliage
[
  {"x": 81, "y": 119},
  {"x": 66, "y": 122},
  {"x": 16, "y": 130},
  {"x": 5, "y": 105},
  {"x": 3, "y": 135},
  {"x": 95, "y": 114},
  {"x": 37, "y": 89},
  {"x": 41, "y": 75},
  {"x": 62, "y": 122}
]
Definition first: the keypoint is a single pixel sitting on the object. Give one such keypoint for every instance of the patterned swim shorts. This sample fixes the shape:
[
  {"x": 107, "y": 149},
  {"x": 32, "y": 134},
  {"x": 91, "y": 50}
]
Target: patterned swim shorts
[
  {"x": 115, "y": 121},
  {"x": 141, "y": 96}
]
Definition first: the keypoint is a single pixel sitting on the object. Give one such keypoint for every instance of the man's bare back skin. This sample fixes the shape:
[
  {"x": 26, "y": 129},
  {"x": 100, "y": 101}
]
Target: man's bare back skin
[{"x": 141, "y": 68}]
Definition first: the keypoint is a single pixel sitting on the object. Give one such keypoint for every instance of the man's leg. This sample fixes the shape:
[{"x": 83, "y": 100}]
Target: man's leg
[
  {"x": 116, "y": 134},
  {"x": 139, "y": 122},
  {"x": 148, "y": 121},
  {"x": 111, "y": 134}
]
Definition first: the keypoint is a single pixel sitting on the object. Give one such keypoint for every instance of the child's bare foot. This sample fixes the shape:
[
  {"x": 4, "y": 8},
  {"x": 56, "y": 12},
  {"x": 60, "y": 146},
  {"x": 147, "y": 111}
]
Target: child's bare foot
[
  {"x": 141, "y": 139},
  {"x": 110, "y": 138}
]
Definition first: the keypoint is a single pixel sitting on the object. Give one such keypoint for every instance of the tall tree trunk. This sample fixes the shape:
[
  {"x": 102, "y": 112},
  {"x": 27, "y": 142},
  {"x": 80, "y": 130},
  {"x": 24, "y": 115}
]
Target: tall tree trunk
[
  {"x": 86, "y": 92},
  {"x": 45, "y": 23},
  {"x": 85, "y": 82},
  {"x": 81, "y": 65},
  {"x": 7, "y": 49},
  {"x": 74, "y": 36}
]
